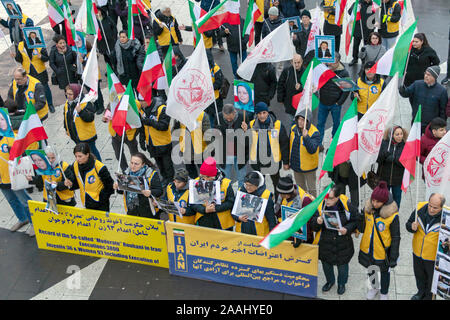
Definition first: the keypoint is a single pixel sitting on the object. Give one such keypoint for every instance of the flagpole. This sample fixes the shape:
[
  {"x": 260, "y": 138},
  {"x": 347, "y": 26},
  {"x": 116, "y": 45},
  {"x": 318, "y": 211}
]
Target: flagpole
[
  {"x": 217, "y": 112},
  {"x": 240, "y": 42},
  {"x": 121, "y": 149},
  {"x": 406, "y": 66},
  {"x": 417, "y": 187},
  {"x": 9, "y": 47},
  {"x": 106, "y": 39},
  {"x": 142, "y": 27}
]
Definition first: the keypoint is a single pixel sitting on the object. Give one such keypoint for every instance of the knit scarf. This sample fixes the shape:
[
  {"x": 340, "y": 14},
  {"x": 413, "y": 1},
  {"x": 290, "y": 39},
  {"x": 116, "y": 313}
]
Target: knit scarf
[
  {"x": 132, "y": 197},
  {"x": 118, "y": 46}
]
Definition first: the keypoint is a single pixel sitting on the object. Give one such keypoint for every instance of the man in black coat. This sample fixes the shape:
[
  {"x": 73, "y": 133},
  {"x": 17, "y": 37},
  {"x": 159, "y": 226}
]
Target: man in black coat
[
  {"x": 108, "y": 31},
  {"x": 289, "y": 84},
  {"x": 232, "y": 35},
  {"x": 265, "y": 81},
  {"x": 300, "y": 39},
  {"x": 291, "y": 8},
  {"x": 367, "y": 20}
]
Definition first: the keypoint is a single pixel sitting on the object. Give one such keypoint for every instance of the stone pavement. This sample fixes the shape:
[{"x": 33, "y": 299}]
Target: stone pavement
[{"x": 402, "y": 278}]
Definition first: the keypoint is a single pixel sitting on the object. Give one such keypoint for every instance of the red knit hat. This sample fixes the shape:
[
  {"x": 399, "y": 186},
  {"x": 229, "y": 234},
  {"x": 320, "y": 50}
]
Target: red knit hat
[
  {"x": 208, "y": 167},
  {"x": 381, "y": 192}
]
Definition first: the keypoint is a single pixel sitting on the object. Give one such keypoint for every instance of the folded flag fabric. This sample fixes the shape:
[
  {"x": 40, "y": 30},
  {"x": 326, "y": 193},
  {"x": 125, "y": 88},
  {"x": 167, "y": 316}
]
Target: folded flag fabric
[{"x": 126, "y": 115}]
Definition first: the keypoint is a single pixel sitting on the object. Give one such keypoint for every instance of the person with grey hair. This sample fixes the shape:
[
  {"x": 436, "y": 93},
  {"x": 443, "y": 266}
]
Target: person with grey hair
[{"x": 424, "y": 223}]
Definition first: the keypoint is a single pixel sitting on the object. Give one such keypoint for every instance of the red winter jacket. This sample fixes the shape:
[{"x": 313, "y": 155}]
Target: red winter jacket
[{"x": 427, "y": 142}]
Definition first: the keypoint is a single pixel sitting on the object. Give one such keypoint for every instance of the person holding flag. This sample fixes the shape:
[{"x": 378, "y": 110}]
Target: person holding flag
[
  {"x": 165, "y": 28},
  {"x": 108, "y": 31}
]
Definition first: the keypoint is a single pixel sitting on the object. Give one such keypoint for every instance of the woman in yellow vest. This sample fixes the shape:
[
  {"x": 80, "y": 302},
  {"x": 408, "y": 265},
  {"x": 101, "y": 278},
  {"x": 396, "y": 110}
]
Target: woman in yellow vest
[
  {"x": 213, "y": 215},
  {"x": 255, "y": 185},
  {"x": 334, "y": 240},
  {"x": 156, "y": 137},
  {"x": 379, "y": 246},
  {"x": 425, "y": 224},
  {"x": 91, "y": 177},
  {"x": 178, "y": 192},
  {"x": 64, "y": 196},
  {"x": 79, "y": 119},
  {"x": 390, "y": 15},
  {"x": 138, "y": 204},
  {"x": 370, "y": 87}
]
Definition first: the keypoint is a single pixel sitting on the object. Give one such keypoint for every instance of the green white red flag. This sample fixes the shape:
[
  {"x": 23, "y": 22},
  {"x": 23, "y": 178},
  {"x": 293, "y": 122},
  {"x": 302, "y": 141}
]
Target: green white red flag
[
  {"x": 126, "y": 115},
  {"x": 411, "y": 151},
  {"x": 355, "y": 16},
  {"x": 226, "y": 11},
  {"x": 71, "y": 34},
  {"x": 86, "y": 20},
  {"x": 253, "y": 13},
  {"x": 115, "y": 87},
  {"x": 339, "y": 11},
  {"x": 55, "y": 13}
]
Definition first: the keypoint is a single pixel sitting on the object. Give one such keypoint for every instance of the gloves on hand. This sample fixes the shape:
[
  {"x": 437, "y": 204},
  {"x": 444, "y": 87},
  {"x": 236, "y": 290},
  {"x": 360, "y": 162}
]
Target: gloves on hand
[{"x": 296, "y": 242}]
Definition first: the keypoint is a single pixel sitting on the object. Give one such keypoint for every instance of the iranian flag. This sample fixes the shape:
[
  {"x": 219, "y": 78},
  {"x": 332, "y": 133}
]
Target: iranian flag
[
  {"x": 340, "y": 10},
  {"x": 69, "y": 25},
  {"x": 137, "y": 7},
  {"x": 55, "y": 13},
  {"x": 344, "y": 142},
  {"x": 168, "y": 64},
  {"x": 31, "y": 130},
  {"x": 253, "y": 13},
  {"x": 195, "y": 12},
  {"x": 115, "y": 88},
  {"x": 306, "y": 97},
  {"x": 394, "y": 60},
  {"x": 130, "y": 23},
  {"x": 376, "y": 4},
  {"x": 226, "y": 11},
  {"x": 411, "y": 152},
  {"x": 287, "y": 227},
  {"x": 126, "y": 115},
  {"x": 86, "y": 20},
  {"x": 404, "y": 12},
  {"x": 355, "y": 16},
  {"x": 151, "y": 72},
  {"x": 90, "y": 75}
]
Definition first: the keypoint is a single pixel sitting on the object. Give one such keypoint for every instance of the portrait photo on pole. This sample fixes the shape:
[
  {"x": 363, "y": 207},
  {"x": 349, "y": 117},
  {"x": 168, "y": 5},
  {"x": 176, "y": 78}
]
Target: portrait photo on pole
[
  {"x": 324, "y": 48},
  {"x": 51, "y": 197},
  {"x": 244, "y": 93},
  {"x": 80, "y": 43},
  {"x": 294, "y": 24},
  {"x": 286, "y": 213},
  {"x": 249, "y": 205},
  {"x": 331, "y": 219},
  {"x": 12, "y": 9},
  {"x": 5, "y": 124},
  {"x": 202, "y": 190},
  {"x": 41, "y": 162},
  {"x": 130, "y": 183},
  {"x": 346, "y": 84},
  {"x": 34, "y": 37}
]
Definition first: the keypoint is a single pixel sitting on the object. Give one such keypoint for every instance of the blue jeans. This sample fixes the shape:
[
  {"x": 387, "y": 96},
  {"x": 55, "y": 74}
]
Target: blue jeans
[
  {"x": 231, "y": 161},
  {"x": 18, "y": 200},
  {"x": 323, "y": 115},
  {"x": 388, "y": 42},
  {"x": 234, "y": 60},
  {"x": 396, "y": 194},
  {"x": 328, "y": 270}
]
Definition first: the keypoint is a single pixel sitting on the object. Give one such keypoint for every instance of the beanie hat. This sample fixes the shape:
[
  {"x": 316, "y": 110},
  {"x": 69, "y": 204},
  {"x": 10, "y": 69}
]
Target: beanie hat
[
  {"x": 253, "y": 178},
  {"x": 181, "y": 174},
  {"x": 381, "y": 192},
  {"x": 285, "y": 184},
  {"x": 306, "y": 13},
  {"x": 208, "y": 167},
  {"x": 261, "y": 106},
  {"x": 273, "y": 11},
  {"x": 434, "y": 71}
]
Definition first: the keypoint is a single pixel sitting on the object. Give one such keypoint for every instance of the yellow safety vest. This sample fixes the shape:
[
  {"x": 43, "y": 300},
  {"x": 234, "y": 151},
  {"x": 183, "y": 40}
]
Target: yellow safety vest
[
  {"x": 308, "y": 161},
  {"x": 196, "y": 136},
  {"x": 166, "y": 35},
  {"x": 383, "y": 225},
  {"x": 425, "y": 243},
  {"x": 183, "y": 201},
  {"x": 262, "y": 229},
  {"x": 260, "y": 4},
  {"x": 328, "y": 16},
  {"x": 158, "y": 138},
  {"x": 302, "y": 193},
  {"x": 64, "y": 195},
  {"x": 84, "y": 130},
  {"x": 38, "y": 64},
  {"x": 274, "y": 135},
  {"x": 392, "y": 27},
  {"x": 29, "y": 94},
  {"x": 213, "y": 72},
  {"x": 368, "y": 93},
  {"x": 91, "y": 186},
  {"x": 5, "y": 144},
  {"x": 225, "y": 218}
]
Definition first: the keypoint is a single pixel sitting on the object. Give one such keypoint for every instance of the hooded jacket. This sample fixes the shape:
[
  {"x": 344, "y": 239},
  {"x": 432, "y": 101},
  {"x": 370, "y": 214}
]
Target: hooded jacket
[{"x": 427, "y": 143}]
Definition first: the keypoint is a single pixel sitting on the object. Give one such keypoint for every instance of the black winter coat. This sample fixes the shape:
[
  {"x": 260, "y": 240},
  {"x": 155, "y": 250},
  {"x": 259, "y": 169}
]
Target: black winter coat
[
  {"x": 64, "y": 66},
  {"x": 300, "y": 40},
  {"x": 419, "y": 61},
  {"x": 265, "y": 80},
  {"x": 330, "y": 93},
  {"x": 389, "y": 167},
  {"x": 162, "y": 124},
  {"x": 286, "y": 87},
  {"x": 269, "y": 26},
  {"x": 291, "y": 8},
  {"x": 234, "y": 36},
  {"x": 337, "y": 249},
  {"x": 366, "y": 14},
  {"x": 109, "y": 34},
  {"x": 395, "y": 17}
]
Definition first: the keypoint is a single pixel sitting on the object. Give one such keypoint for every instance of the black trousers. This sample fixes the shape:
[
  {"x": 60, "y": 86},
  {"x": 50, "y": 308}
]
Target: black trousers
[
  {"x": 356, "y": 42},
  {"x": 423, "y": 271},
  {"x": 165, "y": 166},
  {"x": 258, "y": 31},
  {"x": 132, "y": 146}
]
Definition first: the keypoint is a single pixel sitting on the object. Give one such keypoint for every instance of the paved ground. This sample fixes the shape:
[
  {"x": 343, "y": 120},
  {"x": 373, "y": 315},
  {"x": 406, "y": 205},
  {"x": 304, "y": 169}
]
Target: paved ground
[{"x": 29, "y": 273}]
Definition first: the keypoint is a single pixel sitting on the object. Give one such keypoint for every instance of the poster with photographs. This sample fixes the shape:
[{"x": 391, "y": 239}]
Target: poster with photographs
[
  {"x": 441, "y": 276},
  {"x": 41, "y": 162},
  {"x": 324, "y": 48},
  {"x": 249, "y": 205},
  {"x": 346, "y": 84},
  {"x": 168, "y": 207},
  {"x": 5, "y": 124},
  {"x": 287, "y": 212},
  {"x": 294, "y": 24},
  {"x": 51, "y": 197},
  {"x": 130, "y": 183},
  {"x": 202, "y": 190},
  {"x": 331, "y": 219},
  {"x": 34, "y": 37},
  {"x": 244, "y": 94},
  {"x": 12, "y": 9}
]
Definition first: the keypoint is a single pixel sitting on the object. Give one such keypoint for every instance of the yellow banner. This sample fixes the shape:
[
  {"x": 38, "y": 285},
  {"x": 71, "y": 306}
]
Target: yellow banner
[
  {"x": 100, "y": 234},
  {"x": 237, "y": 259}
]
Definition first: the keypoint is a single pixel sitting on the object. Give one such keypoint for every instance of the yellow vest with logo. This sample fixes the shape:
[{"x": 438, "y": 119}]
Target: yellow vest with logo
[
  {"x": 368, "y": 93},
  {"x": 260, "y": 4},
  {"x": 159, "y": 138},
  {"x": 84, "y": 130},
  {"x": 328, "y": 16},
  {"x": 274, "y": 135},
  {"x": 262, "y": 229},
  {"x": 38, "y": 64},
  {"x": 29, "y": 94},
  {"x": 91, "y": 185},
  {"x": 308, "y": 161},
  {"x": 64, "y": 195},
  {"x": 392, "y": 27},
  {"x": 383, "y": 226},
  {"x": 166, "y": 35},
  {"x": 213, "y": 72},
  {"x": 196, "y": 136},
  {"x": 425, "y": 243},
  {"x": 5, "y": 144},
  {"x": 302, "y": 193},
  {"x": 183, "y": 201},
  {"x": 225, "y": 218}
]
